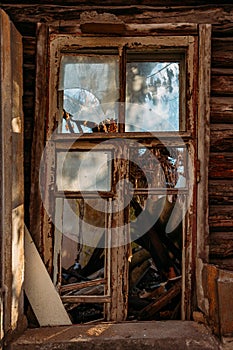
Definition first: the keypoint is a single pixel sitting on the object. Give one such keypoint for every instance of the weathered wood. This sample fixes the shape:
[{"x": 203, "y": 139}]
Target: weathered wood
[
  {"x": 139, "y": 13},
  {"x": 226, "y": 264},
  {"x": 222, "y": 85},
  {"x": 221, "y": 216},
  {"x": 73, "y": 299},
  {"x": 220, "y": 166},
  {"x": 210, "y": 286},
  {"x": 137, "y": 273},
  {"x": 38, "y": 145},
  {"x": 221, "y": 249},
  {"x": 77, "y": 286},
  {"x": 221, "y": 136},
  {"x": 138, "y": 257},
  {"x": 221, "y": 110},
  {"x": 221, "y": 192},
  {"x": 225, "y": 300},
  {"x": 149, "y": 311},
  {"x": 222, "y": 52}
]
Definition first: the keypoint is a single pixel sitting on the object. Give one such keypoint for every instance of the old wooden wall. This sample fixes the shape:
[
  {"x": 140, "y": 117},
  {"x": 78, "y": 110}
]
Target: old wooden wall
[{"x": 25, "y": 15}]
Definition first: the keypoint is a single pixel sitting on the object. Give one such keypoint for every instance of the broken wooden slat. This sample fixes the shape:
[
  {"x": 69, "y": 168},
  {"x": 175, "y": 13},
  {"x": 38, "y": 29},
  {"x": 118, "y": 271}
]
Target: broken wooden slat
[
  {"x": 40, "y": 290},
  {"x": 150, "y": 310},
  {"x": 78, "y": 286},
  {"x": 86, "y": 299}
]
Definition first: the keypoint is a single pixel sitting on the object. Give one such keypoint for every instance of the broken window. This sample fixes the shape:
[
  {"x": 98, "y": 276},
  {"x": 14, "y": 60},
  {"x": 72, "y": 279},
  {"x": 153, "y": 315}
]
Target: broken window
[
  {"x": 150, "y": 92},
  {"x": 123, "y": 177}
]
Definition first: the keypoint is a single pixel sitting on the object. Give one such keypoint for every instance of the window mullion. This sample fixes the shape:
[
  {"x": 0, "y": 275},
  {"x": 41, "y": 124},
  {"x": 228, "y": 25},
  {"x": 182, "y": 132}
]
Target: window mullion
[{"x": 122, "y": 79}]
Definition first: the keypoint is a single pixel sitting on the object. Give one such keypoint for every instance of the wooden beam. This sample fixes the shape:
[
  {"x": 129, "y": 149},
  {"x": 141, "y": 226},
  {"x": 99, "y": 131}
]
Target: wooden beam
[{"x": 202, "y": 254}]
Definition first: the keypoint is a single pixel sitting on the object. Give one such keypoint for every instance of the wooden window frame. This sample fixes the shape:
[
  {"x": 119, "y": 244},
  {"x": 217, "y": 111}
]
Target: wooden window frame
[{"x": 197, "y": 91}]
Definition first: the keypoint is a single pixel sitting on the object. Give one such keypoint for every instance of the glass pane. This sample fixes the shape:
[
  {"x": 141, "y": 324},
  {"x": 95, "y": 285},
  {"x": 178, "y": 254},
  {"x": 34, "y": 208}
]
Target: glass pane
[
  {"x": 152, "y": 96},
  {"x": 90, "y": 87},
  {"x": 158, "y": 167},
  {"x": 83, "y": 171}
]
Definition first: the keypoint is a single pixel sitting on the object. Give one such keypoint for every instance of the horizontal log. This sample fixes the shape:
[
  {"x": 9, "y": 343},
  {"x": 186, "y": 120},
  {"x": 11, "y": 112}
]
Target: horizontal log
[
  {"x": 223, "y": 263},
  {"x": 221, "y": 109},
  {"x": 221, "y": 136},
  {"x": 158, "y": 13},
  {"x": 220, "y": 216},
  {"x": 222, "y": 85},
  {"x": 220, "y": 192},
  {"x": 222, "y": 52},
  {"x": 221, "y": 166},
  {"x": 85, "y": 299},
  {"x": 221, "y": 245}
]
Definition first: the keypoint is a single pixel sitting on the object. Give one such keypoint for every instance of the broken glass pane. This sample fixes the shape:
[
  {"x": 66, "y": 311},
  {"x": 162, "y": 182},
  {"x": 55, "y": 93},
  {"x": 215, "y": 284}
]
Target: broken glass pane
[{"x": 90, "y": 86}]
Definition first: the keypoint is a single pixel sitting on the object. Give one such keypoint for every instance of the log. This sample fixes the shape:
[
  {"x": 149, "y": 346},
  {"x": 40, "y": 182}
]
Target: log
[
  {"x": 138, "y": 272},
  {"x": 139, "y": 257},
  {"x": 149, "y": 311}
]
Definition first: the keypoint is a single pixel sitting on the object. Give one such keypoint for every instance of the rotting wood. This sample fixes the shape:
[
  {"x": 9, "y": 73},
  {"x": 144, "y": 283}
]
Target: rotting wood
[
  {"x": 86, "y": 299},
  {"x": 221, "y": 216},
  {"x": 221, "y": 136},
  {"x": 150, "y": 310},
  {"x": 77, "y": 286},
  {"x": 221, "y": 165},
  {"x": 222, "y": 85},
  {"x": 139, "y": 13},
  {"x": 221, "y": 192},
  {"x": 221, "y": 110}
]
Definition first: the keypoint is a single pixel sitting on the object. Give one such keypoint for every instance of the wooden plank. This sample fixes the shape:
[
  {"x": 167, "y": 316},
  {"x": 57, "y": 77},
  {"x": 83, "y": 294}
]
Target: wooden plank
[
  {"x": 225, "y": 287},
  {"x": 41, "y": 293},
  {"x": 220, "y": 248},
  {"x": 221, "y": 136},
  {"x": 221, "y": 192},
  {"x": 6, "y": 166},
  {"x": 74, "y": 299},
  {"x": 77, "y": 286},
  {"x": 210, "y": 285},
  {"x": 221, "y": 110},
  {"x": 17, "y": 125},
  {"x": 151, "y": 309},
  {"x": 222, "y": 85},
  {"x": 221, "y": 166},
  {"x": 222, "y": 52},
  {"x": 43, "y": 240},
  {"x": 221, "y": 216},
  {"x": 158, "y": 13},
  {"x": 203, "y": 141}
]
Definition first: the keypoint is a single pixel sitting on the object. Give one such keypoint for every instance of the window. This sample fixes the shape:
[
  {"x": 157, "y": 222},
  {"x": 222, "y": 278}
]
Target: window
[
  {"x": 122, "y": 130},
  {"x": 149, "y": 85}
]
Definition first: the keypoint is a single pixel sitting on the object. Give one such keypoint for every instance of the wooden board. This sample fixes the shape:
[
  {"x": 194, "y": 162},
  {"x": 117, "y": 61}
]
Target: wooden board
[{"x": 42, "y": 295}]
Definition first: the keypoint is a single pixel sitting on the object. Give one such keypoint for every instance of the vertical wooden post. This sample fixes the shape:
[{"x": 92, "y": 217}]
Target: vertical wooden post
[
  {"x": 11, "y": 179},
  {"x": 203, "y": 156}
]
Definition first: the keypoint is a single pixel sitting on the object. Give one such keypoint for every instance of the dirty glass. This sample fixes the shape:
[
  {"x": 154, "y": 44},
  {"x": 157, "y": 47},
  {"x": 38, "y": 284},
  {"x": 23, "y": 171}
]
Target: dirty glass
[
  {"x": 152, "y": 96},
  {"x": 83, "y": 171},
  {"x": 90, "y": 85}
]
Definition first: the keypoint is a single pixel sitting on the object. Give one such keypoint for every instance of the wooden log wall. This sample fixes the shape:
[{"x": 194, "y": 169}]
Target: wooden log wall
[{"x": 26, "y": 14}]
